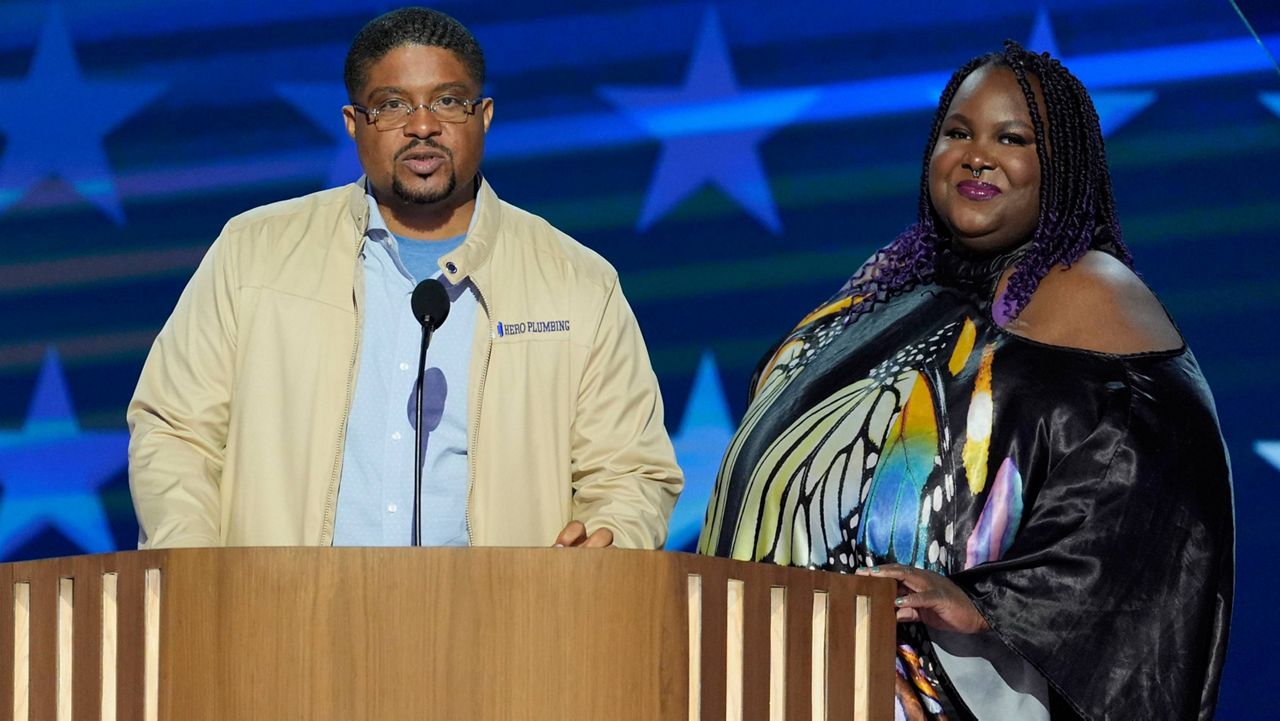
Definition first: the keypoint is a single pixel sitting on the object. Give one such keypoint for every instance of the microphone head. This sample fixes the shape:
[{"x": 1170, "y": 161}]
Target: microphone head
[{"x": 430, "y": 303}]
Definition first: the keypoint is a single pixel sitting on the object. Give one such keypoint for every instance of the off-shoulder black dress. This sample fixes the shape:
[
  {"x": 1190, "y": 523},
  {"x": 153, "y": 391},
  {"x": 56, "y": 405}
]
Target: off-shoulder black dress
[{"x": 1082, "y": 500}]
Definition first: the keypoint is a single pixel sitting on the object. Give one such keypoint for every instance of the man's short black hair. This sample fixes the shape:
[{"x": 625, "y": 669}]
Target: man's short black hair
[{"x": 410, "y": 26}]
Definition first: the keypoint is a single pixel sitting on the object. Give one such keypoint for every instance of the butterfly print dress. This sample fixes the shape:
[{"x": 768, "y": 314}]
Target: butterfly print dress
[{"x": 1082, "y": 500}]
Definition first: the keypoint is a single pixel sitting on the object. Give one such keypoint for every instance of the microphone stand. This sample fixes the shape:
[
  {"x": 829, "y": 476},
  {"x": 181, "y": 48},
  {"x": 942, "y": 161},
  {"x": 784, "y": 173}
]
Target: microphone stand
[{"x": 427, "y": 328}]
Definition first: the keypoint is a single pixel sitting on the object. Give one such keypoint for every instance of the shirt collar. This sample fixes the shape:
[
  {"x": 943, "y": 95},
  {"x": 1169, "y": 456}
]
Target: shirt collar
[{"x": 378, "y": 232}]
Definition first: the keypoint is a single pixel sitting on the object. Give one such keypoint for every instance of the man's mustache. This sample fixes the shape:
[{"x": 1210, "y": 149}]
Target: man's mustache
[{"x": 427, "y": 143}]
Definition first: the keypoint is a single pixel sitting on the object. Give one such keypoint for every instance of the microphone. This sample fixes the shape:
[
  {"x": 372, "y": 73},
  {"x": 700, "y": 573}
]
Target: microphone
[{"x": 430, "y": 304}]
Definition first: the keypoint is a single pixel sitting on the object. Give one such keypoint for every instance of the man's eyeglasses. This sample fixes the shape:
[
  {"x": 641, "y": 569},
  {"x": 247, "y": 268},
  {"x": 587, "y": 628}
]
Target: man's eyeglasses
[{"x": 394, "y": 114}]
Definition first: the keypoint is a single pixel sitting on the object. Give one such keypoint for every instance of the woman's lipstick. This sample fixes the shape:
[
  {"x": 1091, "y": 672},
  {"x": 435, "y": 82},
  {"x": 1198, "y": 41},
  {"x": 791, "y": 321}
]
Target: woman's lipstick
[{"x": 977, "y": 190}]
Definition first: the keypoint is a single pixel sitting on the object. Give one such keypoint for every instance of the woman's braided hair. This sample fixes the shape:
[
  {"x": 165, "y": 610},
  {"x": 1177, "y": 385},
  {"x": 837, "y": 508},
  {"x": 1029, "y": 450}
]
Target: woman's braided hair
[{"x": 1078, "y": 210}]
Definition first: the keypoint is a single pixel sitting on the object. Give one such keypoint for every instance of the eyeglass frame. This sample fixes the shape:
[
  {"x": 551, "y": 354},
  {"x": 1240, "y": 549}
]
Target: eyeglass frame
[{"x": 371, "y": 114}]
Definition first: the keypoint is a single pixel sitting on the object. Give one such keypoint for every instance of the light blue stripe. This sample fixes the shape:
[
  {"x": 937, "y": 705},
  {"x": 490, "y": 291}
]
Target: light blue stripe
[{"x": 858, "y": 99}]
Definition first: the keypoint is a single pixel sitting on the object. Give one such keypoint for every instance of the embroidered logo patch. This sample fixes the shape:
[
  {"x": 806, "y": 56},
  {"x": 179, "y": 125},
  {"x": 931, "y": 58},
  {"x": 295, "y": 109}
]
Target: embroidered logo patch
[{"x": 532, "y": 326}]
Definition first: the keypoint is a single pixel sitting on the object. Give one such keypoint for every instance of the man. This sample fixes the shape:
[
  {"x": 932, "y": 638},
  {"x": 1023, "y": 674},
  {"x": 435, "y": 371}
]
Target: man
[{"x": 276, "y": 407}]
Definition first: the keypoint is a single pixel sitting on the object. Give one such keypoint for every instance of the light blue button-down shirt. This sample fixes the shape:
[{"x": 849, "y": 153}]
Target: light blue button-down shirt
[{"x": 375, "y": 496}]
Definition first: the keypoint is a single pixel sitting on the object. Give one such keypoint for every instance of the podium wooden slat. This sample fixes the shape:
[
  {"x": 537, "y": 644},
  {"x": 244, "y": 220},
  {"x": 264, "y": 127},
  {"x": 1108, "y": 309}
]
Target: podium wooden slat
[
  {"x": 44, "y": 640},
  {"x": 129, "y": 622},
  {"x": 506, "y": 634},
  {"x": 87, "y": 645},
  {"x": 714, "y": 603},
  {"x": 6, "y": 642},
  {"x": 799, "y": 634},
  {"x": 840, "y": 655},
  {"x": 756, "y": 652}
]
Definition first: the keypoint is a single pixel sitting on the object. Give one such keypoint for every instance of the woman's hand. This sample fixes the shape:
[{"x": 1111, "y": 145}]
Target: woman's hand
[{"x": 930, "y": 598}]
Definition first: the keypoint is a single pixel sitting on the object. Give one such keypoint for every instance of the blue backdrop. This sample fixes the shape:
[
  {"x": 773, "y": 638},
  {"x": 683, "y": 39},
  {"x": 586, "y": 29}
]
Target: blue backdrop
[{"x": 736, "y": 161}]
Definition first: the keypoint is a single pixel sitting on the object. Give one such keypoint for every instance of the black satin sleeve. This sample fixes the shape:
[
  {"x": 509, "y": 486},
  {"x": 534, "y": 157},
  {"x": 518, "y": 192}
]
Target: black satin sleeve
[{"x": 1118, "y": 585}]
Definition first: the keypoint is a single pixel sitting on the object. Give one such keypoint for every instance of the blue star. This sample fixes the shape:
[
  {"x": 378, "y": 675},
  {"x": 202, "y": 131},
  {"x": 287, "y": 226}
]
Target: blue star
[
  {"x": 705, "y": 432},
  {"x": 1270, "y": 452},
  {"x": 1042, "y": 38},
  {"x": 50, "y": 470},
  {"x": 698, "y": 145},
  {"x": 55, "y": 122},
  {"x": 1271, "y": 100},
  {"x": 321, "y": 103},
  {"x": 1115, "y": 108}
]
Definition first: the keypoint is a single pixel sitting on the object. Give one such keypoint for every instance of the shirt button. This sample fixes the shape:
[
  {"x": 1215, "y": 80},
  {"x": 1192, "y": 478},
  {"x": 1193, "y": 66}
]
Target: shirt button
[
  {"x": 395, "y": 436},
  {"x": 451, "y": 267},
  {"x": 391, "y": 508},
  {"x": 404, "y": 366}
]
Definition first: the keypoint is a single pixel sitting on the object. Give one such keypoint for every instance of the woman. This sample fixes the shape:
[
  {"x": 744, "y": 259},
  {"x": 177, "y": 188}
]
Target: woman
[{"x": 998, "y": 414}]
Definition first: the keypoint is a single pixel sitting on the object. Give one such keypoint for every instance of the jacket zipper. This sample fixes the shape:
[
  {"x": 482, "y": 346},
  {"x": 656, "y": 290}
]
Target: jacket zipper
[
  {"x": 326, "y": 529},
  {"x": 475, "y": 412}
]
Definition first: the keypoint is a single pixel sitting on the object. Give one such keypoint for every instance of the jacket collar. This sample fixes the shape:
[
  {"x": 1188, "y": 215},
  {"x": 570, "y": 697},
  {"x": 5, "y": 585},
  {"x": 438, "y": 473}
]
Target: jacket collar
[
  {"x": 485, "y": 230},
  {"x": 357, "y": 206}
]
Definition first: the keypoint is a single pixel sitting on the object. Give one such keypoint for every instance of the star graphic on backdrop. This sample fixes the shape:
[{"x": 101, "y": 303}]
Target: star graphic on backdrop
[
  {"x": 1271, "y": 100},
  {"x": 704, "y": 434},
  {"x": 698, "y": 146},
  {"x": 55, "y": 121},
  {"x": 50, "y": 470},
  {"x": 1115, "y": 107},
  {"x": 1270, "y": 452},
  {"x": 322, "y": 103}
]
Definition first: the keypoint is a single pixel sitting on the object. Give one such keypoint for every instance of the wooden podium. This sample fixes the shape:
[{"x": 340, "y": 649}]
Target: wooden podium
[{"x": 356, "y": 634}]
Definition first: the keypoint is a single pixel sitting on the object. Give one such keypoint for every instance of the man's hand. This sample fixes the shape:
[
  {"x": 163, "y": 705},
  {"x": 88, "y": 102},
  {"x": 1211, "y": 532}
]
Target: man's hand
[
  {"x": 575, "y": 535},
  {"x": 930, "y": 598}
]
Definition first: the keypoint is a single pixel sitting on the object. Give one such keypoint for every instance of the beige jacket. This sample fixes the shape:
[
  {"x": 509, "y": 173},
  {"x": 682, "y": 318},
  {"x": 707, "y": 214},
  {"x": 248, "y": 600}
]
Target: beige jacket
[{"x": 238, "y": 422}]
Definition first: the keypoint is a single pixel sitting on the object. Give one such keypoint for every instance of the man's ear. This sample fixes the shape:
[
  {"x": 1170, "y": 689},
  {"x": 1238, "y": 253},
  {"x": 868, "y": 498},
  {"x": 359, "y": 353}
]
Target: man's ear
[{"x": 349, "y": 117}]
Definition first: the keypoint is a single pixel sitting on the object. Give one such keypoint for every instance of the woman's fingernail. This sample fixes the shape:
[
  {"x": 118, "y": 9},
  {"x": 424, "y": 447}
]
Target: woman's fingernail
[
  {"x": 875, "y": 569},
  {"x": 898, "y": 601}
]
